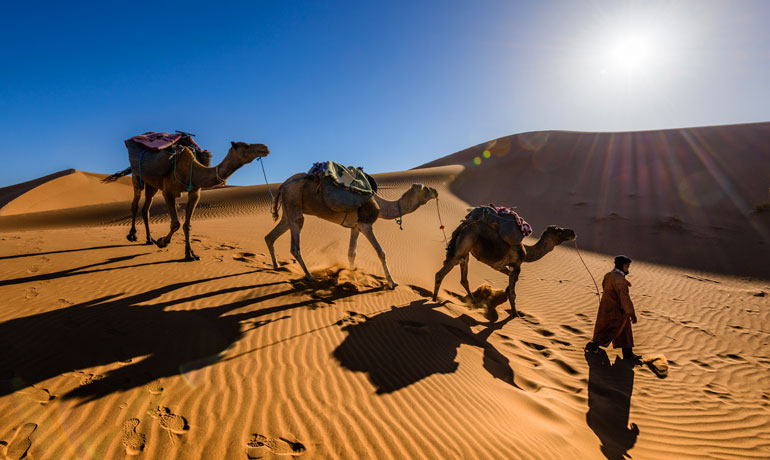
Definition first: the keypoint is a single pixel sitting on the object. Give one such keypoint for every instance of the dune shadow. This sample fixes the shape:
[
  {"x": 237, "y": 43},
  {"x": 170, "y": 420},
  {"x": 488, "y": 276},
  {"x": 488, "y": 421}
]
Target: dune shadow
[
  {"x": 406, "y": 344},
  {"x": 609, "y": 401},
  {"x": 137, "y": 332}
]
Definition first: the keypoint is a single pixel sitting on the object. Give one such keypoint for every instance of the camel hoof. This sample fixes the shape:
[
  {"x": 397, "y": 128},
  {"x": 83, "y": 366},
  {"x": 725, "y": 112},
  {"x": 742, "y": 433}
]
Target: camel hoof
[
  {"x": 191, "y": 257},
  {"x": 150, "y": 242},
  {"x": 392, "y": 285},
  {"x": 311, "y": 279},
  {"x": 131, "y": 237},
  {"x": 161, "y": 243}
]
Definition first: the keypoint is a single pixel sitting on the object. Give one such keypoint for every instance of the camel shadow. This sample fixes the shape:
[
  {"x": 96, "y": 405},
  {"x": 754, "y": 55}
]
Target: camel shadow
[
  {"x": 406, "y": 344},
  {"x": 84, "y": 269},
  {"x": 63, "y": 251},
  {"x": 609, "y": 400},
  {"x": 138, "y": 333}
]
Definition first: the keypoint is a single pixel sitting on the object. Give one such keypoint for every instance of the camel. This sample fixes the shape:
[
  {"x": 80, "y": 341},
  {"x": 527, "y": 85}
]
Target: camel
[
  {"x": 300, "y": 195},
  {"x": 477, "y": 237},
  {"x": 187, "y": 175}
]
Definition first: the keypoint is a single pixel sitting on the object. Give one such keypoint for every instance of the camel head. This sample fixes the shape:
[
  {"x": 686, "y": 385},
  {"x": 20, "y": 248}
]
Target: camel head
[
  {"x": 421, "y": 193},
  {"x": 559, "y": 234},
  {"x": 246, "y": 153}
]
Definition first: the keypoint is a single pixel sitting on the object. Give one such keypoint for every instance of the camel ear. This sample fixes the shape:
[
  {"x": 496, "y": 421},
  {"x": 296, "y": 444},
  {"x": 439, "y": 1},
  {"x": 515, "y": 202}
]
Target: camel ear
[{"x": 232, "y": 144}]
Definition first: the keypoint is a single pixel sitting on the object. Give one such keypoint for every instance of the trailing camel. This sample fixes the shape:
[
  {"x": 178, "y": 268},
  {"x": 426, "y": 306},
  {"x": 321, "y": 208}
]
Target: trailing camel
[{"x": 480, "y": 236}]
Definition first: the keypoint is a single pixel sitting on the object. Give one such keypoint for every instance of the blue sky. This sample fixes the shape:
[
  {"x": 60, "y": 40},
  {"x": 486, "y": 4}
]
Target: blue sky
[{"x": 385, "y": 85}]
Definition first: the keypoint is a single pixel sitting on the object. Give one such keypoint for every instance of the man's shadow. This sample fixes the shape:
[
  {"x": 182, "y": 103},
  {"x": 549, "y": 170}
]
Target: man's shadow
[
  {"x": 407, "y": 344},
  {"x": 609, "y": 401}
]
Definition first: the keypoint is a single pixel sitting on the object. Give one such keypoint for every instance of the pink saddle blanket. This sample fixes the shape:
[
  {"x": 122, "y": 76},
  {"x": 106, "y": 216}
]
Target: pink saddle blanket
[
  {"x": 160, "y": 141},
  {"x": 509, "y": 213}
]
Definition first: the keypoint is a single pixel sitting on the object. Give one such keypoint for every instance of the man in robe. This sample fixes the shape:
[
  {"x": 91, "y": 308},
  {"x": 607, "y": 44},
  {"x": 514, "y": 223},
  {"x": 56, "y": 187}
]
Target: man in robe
[{"x": 616, "y": 312}]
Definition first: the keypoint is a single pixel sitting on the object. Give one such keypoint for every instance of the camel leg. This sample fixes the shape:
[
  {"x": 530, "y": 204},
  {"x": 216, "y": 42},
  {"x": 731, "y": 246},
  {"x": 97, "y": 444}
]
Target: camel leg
[
  {"x": 192, "y": 201},
  {"x": 449, "y": 264},
  {"x": 368, "y": 232},
  {"x": 463, "y": 246},
  {"x": 295, "y": 225},
  {"x": 352, "y": 248},
  {"x": 134, "y": 208},
  {"x": 171, "y": 204},
  {"x": 512, "y": 278},
  {"x": 277, "y": 231},
  {"x": 464, "y": 275},
  {"x": 149, "y": 192}
]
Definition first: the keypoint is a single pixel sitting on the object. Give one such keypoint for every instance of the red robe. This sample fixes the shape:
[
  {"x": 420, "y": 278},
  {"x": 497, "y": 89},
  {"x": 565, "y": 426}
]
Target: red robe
[{"x": 613, "y": 321}]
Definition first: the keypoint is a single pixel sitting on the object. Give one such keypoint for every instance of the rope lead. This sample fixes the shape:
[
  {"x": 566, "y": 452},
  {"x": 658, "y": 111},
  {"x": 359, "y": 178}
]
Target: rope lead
[
  {"x": 441, "y": 224},
  {"x": 266, "y": 183},
  {"x": 586, "y": 266}
]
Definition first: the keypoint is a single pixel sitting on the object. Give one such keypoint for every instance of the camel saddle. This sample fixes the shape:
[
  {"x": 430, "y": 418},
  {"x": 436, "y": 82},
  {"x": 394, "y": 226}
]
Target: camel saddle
[
  {"x": 150, "y": 153},
  {"x": 344, "y": 189},
  {"x": 158, "y": 141},
  {"x": 509, "y": 225}
]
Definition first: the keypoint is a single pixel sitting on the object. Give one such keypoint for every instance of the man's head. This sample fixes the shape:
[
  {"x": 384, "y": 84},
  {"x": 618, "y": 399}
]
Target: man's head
[{"x": 622, "y": 263}]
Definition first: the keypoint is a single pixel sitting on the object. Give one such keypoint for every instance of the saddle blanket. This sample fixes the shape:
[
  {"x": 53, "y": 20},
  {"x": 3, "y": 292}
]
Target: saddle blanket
[
  {"x": 351, "y": 178},
  {"x": 159, "y": 141},
  {"x": 508, "y": 213}
]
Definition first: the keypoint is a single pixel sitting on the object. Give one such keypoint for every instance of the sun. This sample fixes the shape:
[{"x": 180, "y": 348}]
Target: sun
[{"x": 630, "y": 53}]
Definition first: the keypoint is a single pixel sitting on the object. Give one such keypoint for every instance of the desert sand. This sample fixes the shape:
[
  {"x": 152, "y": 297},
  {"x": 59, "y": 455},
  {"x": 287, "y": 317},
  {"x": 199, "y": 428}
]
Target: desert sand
[{"x": 112, "y": 350}]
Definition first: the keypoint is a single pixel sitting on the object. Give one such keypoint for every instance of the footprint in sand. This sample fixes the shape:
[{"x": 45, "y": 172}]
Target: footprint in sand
[
  {"x": 169, "y": 421},
  {"x": 133, "y": 441},
  {"x": 21, "y": 443},
  {"x": 31, "y": 293},
  {"x": 154, "y": 388},
  {"x": 353, "y": 318},
  {"x": 36, "y": 394},
  {"x": 277, "y": 446},
  {"x": 88, "y": 379},
  {"x": 244, "y": 256}
]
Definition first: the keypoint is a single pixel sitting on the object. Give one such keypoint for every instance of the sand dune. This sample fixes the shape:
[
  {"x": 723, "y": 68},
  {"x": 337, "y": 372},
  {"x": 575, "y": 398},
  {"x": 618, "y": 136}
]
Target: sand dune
[
  {"x": 111, "y": 349},
  {"x": 670, "y": 192},
  {"x": 62, "y": 190}
]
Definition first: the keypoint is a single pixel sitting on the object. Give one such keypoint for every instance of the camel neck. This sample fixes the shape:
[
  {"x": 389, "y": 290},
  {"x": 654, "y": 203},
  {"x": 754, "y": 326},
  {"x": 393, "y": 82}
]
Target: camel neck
[
  {"x": 204, "y": 176},
  {"x": 538, "y": 250},
  {"x": 395, "y": 209}
]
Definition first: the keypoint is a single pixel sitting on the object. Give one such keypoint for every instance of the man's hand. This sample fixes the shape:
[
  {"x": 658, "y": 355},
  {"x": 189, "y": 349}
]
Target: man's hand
[{"x": 633, "y": 318}]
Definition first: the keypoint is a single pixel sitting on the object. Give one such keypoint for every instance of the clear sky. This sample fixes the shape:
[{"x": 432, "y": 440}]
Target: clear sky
[{"x": 386, "y": 85}]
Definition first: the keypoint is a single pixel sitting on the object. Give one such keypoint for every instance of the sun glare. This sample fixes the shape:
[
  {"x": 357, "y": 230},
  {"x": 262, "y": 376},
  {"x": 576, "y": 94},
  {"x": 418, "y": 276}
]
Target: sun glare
[{"x": 630, "y": 53}]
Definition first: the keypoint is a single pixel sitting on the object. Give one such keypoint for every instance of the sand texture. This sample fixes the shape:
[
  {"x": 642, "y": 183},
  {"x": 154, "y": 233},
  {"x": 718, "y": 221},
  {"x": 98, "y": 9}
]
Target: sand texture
[{"x": 111, "y": 349}]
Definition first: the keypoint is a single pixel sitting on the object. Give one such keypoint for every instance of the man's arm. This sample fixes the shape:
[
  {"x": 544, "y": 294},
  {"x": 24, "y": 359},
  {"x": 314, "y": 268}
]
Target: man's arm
[{"x": 621, "y": 287}]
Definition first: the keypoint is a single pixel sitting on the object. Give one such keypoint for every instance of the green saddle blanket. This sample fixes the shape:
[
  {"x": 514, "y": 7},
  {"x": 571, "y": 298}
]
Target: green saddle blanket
[{"x": 348, "y": 177}]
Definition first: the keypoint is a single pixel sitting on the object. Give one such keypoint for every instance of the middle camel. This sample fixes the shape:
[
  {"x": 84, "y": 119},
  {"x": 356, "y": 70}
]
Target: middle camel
[{"x": 300, "y": 194}]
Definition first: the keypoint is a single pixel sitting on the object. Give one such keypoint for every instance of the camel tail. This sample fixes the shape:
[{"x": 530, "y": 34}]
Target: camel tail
[
  {"x": 117, "y": 175},
  {"x": 276, "y": 204},
  {"x": 452, "y": 247}
]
